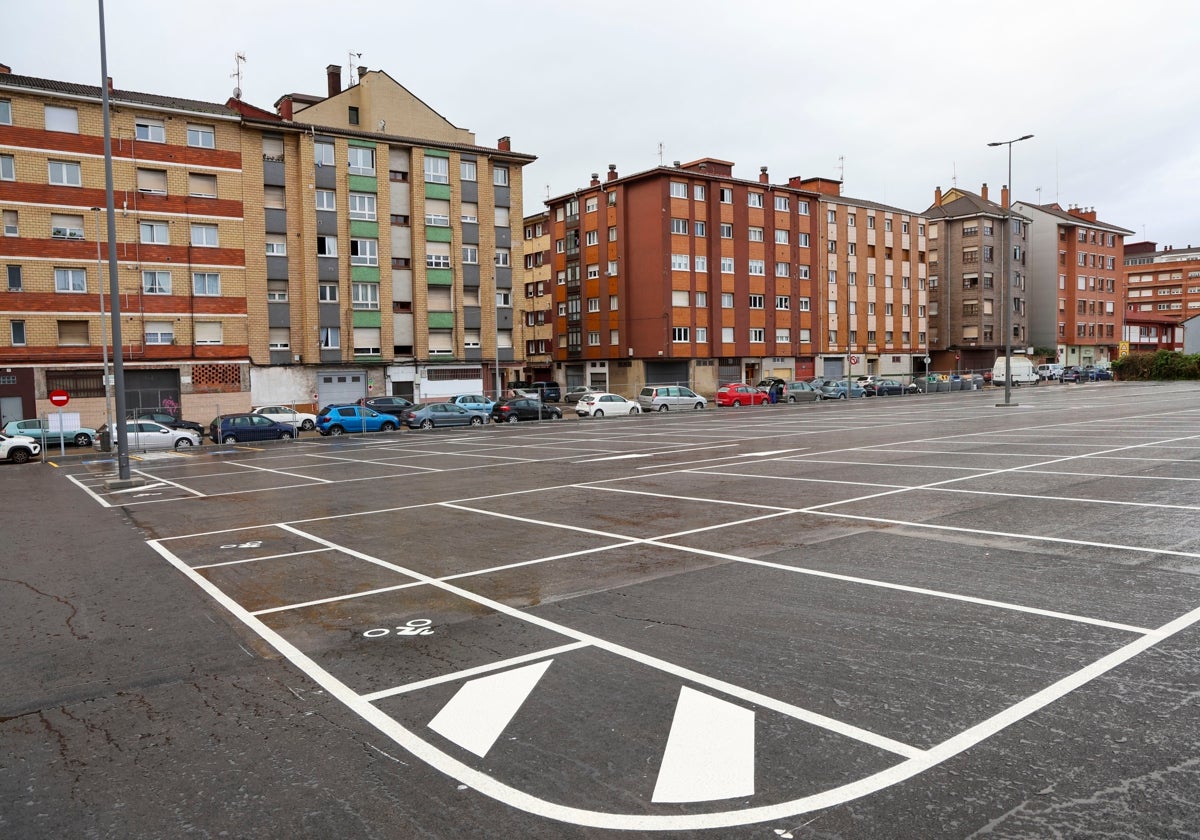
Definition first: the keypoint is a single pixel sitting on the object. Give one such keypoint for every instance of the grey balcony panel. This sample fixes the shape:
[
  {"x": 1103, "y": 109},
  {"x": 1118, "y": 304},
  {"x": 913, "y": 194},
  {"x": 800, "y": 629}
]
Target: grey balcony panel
[
  {"x": 279, "y": 315},
  {"x": 473, "y": 354},
  {"x": 472, "y": 318},
  {"x": 276, "y": 221},
  {"x": 282, "y": 357},
  {"x": 326, "y": 177},
  {"x": 503, "y": 278},
  {"x": 273, "y": 174},
  {"x": 470, "y": 191},
  {"x": 470, "y": 233},
  {"x": 327, "y": 268},
  {"x": 327, "y": 223},
  {"x": 277, "y": 268},
  {"x": 502, "y": 197},
  {"x": 331, "y": 356},
  {"x": 506, "y": 354},
  {"x": 503, "y": 237},
  {"x": 329, "y": 315},
  {"x": 504, "y": 318},
  {"x": 470, "y": 275}
]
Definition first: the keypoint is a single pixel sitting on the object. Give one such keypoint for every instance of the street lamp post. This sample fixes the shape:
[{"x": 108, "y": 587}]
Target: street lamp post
[{"x": 1008, "y": 272}]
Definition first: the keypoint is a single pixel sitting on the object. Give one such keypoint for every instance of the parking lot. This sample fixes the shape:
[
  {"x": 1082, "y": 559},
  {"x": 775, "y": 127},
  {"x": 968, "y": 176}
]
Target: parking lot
[{"x": 919, "y": 616}]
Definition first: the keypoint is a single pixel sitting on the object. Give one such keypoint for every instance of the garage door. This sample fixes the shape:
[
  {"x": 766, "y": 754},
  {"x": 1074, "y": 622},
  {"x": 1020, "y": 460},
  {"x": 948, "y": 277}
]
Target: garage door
[
  {"x": 343, "y": 386},
  {"x": 667, "y": 373}
]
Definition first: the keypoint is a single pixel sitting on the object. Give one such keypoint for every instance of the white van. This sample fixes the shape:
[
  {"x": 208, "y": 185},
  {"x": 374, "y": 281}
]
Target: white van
[{"x": 1022, "y": 371}]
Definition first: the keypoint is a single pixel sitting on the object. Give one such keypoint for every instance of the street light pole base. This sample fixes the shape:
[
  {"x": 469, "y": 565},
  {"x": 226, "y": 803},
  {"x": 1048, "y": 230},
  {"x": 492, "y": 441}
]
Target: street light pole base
[{"x": 1007, "y": 405}]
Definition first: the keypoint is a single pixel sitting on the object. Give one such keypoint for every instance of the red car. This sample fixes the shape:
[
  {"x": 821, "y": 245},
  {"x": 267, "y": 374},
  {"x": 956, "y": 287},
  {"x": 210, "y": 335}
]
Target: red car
[{"x": 741, "y": 394}]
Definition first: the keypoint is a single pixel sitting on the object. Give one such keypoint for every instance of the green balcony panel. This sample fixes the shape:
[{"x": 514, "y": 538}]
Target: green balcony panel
[
  {"x": 439, "y": 276},
  {"x": 442, "y": 153},
  {"x": 364, "y": 273},
  {"x": 441, "y": 320},
  {"x": 363, "y": 183},
  {"x": 367, "y": 318},
  {"x": 437, "y": 191},
  {"x": 438, "y": 234},
  {"x": 360, "y": 229}
]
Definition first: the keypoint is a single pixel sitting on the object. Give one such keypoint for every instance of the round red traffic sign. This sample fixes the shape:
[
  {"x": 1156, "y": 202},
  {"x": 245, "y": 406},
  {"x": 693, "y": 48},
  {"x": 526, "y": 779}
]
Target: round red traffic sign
[
  {"x": 60, "y": 398},
  {"x": 854, "y": 360}
]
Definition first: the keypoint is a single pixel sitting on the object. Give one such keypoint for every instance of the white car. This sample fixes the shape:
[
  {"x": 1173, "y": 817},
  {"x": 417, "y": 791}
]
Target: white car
[
  {"x": 146, "y": 434},
  {"x": 284, "y": 414},
  {"x": 598, "y": 405},
  {"x": 18, "y": 448}
]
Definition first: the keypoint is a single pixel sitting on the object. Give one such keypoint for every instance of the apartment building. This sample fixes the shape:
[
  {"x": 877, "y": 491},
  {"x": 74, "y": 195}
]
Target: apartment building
[
  {"x": 874, "y": 296},
  {"x": 972, "y": 242},
  {"x": 684, "y": 274},
  {"x": 535, "y": 306},
  {"x": 180, "y": 248},
  {"x": 389, "y": 252},
  {"x": 1077, "y": 274},
  {"x": 1162, "y": 290}
]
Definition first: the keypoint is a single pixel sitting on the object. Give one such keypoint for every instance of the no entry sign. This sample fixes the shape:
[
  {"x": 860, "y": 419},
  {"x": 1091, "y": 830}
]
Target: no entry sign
[{"x": 60, "y": 398}]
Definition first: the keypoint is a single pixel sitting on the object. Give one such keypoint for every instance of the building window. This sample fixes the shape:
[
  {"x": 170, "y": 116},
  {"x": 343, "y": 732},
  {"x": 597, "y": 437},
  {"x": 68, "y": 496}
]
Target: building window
[
  {"x": 469, "y": 212},
  {"x": 680, "y": 262},
  {"x": 680, "y": 335},
  {"x": 364, "y": 252},
  {"x": 204, "y": 236},
  {"x": 500, "y": 176},
  {"x": 364, "y": 295},
  {"x": 727, "y": 265},
  {"x": 156, "y": 282},
  {"x": 327, "y": 293},
  {"x": 802, "y": 240},
  {"x": 14, "y": 278},
  {"x": 679, "y": 226},
  {"x": 208, "y": 332},
  {"x": 326, "y": 200},
  {"x": 70, "y": 280},
  {"x": 276, "y": 245},
  {"x": 678, "y": 190},
  {"x": 470, "y": 255},
  {"x": 726, "y": 301},
  {"x": 201, "y": 136},
  {"x": 757, "y": 268},
  {"x": 680, "y": 297},
  {"x": 5, "y": 112},
  {"x": 701, "y": 335},
  {"x": 802, "y": 272},
  {"x": 727, "y": 335},
  {"x": 781, "y": 203},
  {"x": 152, "y": 181},
  {"x": 73, "y": 334},
  {"x": 327, "y": 246},
  {"x": 361, "y": 160},
  {"x": 594, "y": 339},
  {"x": 330, "y": 338},
  {"x": 7, "y": 170},
  {"x": 154, "y": 233},
  {"x": 757, "y": 335},
  {"x": 17, "y": 331},
  {"x": 783, "y": 335},
  {"x": 467, "y": 171},
  {"x": 593, "y": 271},
  {"x": 362, "y": 206},
  {"x": 802, "y": 304},
  {"x": 726, "y": 231},
  {"x": 504, "y": 298},
  {"x": 783, "y": 269},
  {"x": 206, "y": 283},
  {"x": 756, "y": 301},
  {"x": 63, "y": 226},
  {"x": 503, "y": 258},
  {"x": 65, "y": 173},
  {"x": 781, "y": 237},
  {"x": 783, "y": 302},
  {"x": 62, "y": 119},
  {"x": 755, "y": 234},
  {"x": 277, "y": 291},
  {"x": 754, "y": 199},
  {"x": 802, "y": 208},
  {"x": 591, "y": 205},
  {"x": 160, "y": 332},
  {"x": 149, "y": 131},
  {"x": 726, "y": 195},
  {"x": 199, "y": 185},
  {"x": 437, "y": 170}
]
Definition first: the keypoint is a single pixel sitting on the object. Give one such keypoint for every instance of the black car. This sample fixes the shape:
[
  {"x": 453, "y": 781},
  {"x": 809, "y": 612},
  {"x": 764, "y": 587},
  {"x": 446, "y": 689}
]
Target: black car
[
  {"x": 548, "y": 391},
  {"x": 170, "y": 421},
  {"x": 239, "y": 428},
  {"x": 389, "y": 405},
  {"x": 1074, "y": 373},
  {"x": 883, "y": 388},
  {"x": 524, "y": 408}
]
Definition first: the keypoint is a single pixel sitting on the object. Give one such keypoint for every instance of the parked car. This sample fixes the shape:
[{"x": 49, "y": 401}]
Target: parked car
[
  {"x": 577, "y": 392},
  {"x": 739, "y": 394},
  {"x": 884, "y": 388},
  {"x": 248, "y": 426},
  {"x": 1103, "y": 373},
  {"x": 142, "y": 435},
  {"x": 18, "y": 448},
  {"x": 1076, "y": 374},
  {"x": 548, "y": 391},
  {"x": 339, "y": 419},
  {"x": 286, "y": 414},
  {"x": 38, "y": 430},
  {"x": 389, "y": 405},
  {"x": 802, "y": 392},
  {"x": 1052, "y": 370},
  {"x": 433, "y": 415},
  {"x": 598, "y": 405},
  {"x": 666, "y": 397},
  {"x": 170, "y": 421},
  {"x": 836, "y": 390},
  {"x": 523, "y": 408},
  {"x": 472, "y": 402}
]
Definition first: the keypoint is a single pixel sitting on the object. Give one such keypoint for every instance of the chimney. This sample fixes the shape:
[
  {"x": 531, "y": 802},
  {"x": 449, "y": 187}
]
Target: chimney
[
  {"x": 5, "y": 69},
  {"x": 983, "y": 192},
  {"x": 1004, "y": 196},
  {"x": 333, "y": 75},
  {"x": 108, "y": 82},
  {"x": 937, "y": 197},
  {"x": 763, "y": 177},
  {"x": 504, "y": 144},
  {"x": 595, "y": 179},
  {"x": 612, "y": 172},
  {"x": 284, "y": 107},
  {"x": 362, "y": 71}
]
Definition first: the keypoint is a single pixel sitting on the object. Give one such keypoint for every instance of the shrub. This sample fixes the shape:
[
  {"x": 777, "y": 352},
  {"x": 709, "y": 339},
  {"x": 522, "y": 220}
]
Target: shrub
[{"x": 1161, "y": 366}]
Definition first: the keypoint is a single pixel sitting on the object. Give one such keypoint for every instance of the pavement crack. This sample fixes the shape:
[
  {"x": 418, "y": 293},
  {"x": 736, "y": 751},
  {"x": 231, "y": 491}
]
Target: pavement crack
[{"x": 74, "y": 610}]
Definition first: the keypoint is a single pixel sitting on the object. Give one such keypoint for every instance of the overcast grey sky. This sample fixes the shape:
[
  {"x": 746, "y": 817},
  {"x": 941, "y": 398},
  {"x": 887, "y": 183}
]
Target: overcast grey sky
[{"x": 894, "y": 98}]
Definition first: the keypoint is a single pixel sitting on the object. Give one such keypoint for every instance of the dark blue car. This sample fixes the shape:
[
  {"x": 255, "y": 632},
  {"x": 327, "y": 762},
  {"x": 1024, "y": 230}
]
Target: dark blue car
[{"x": 238, "y": 428}]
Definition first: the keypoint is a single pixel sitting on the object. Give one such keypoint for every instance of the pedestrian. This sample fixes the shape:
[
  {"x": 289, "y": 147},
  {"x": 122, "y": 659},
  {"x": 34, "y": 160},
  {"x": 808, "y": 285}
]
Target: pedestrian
[{"x": 773, "y": 392}]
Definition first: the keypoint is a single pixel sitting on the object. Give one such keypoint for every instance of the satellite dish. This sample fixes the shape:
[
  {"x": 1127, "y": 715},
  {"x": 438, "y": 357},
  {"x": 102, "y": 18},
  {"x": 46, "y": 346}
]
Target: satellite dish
[
  {"x": 237, "y": 93},
  {"x": 382, "y": 125}
]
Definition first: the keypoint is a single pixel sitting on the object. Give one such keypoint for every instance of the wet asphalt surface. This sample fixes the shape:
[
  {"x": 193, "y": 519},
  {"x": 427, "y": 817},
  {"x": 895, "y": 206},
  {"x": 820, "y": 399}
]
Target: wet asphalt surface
[{"x": 943, "y": 618}]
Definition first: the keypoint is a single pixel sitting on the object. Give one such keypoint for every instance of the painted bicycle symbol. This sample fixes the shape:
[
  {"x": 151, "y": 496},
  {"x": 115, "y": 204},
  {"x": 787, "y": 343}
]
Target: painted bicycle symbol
[
  {"x": 248, "y": 544},
  {"x": 415, "y": 627}
]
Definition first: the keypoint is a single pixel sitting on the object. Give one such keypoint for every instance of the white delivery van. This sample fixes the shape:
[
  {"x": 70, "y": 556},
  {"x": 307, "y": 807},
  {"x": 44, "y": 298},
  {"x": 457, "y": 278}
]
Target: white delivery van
[{"x": 1022, "y": 371}]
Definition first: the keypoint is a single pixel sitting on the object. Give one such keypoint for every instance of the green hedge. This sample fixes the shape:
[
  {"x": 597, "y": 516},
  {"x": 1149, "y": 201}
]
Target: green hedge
[{"x": 1162, "y": 365}]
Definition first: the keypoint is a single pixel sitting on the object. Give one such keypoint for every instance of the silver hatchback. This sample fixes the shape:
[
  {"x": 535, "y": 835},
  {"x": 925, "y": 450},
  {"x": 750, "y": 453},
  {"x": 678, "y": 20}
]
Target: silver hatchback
[{"x": 666, "y": 397}]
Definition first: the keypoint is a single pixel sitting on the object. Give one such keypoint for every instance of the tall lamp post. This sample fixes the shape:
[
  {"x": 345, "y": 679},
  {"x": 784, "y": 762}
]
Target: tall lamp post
[
  {"x": 1008, "y": 272},
  {"x": 108, "y": 419}
]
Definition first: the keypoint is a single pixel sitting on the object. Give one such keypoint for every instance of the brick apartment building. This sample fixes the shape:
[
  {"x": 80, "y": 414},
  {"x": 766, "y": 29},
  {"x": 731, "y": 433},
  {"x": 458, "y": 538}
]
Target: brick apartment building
[
  {"x": 180, "y": 232},
  {"x": 1162, "y": 289},
  {"x": 1077, "y": 279},
  {"x": 967, "y": 244},
  {"x": 535, "y": 302}
]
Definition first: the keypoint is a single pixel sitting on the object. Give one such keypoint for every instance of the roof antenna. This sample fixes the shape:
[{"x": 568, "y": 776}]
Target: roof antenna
[
  {"x": 353, "y": 55},
  {"x": 842, "y": 168},
  {"x": 238, "y": 58},
  {"x": 954, "y": 173},
  {"x": 660, "y": 153}
]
